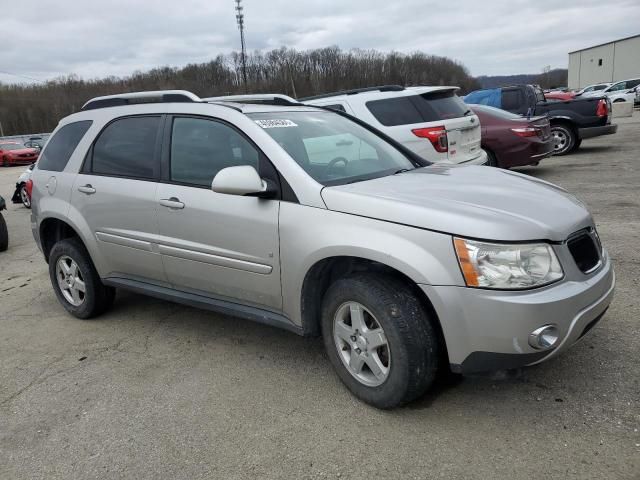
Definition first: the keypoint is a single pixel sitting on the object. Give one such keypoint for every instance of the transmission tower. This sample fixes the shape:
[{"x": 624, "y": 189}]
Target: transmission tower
[{"x": 243, "y": 53}]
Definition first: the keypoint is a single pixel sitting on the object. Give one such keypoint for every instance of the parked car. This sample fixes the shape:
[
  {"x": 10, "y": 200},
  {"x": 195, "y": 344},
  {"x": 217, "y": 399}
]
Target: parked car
[
  {"x": 431, "y": 121},
  {"x": 592, "y": 88},
  {"x": 4, "y": 234},
  {"x": 14, "y": 153},
  {"x": 624, "y": 96},
  {"x": 571, "y": 121},
  {"x": 402, "y": 266},
  {"x": 511, "y": 140},
  {"x": 35, "y": 142},
  {"x": 617, "y": 87},
  {"x": 22, "y": 193}
]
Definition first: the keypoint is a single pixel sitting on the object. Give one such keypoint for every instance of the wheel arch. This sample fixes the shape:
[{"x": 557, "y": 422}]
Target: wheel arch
[
  {"x": 327, "y": 270},
  {"x": 52, "y": 230}
]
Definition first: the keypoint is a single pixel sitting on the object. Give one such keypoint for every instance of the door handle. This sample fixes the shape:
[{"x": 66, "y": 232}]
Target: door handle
[
  {"x": 172, "y": 202},
  {"x": 88, "y": 189}
]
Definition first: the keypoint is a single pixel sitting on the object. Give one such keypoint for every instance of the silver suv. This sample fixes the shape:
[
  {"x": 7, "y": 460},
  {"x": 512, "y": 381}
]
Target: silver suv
[{"x": 308, "y": 220}]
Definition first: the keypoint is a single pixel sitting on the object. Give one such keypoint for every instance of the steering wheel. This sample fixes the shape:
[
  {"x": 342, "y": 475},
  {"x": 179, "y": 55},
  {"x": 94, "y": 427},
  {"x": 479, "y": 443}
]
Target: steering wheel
[{"x": 335, "y": 161}]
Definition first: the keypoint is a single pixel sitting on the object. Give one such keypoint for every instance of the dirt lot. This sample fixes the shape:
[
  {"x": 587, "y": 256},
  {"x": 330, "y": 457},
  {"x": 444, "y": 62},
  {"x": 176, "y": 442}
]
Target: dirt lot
[{"x": 157, "y": 390}]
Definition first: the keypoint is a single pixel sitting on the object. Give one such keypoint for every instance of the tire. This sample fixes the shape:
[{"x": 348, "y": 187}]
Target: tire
[
  {"x": 407, "y": 364},
  {"x": 4, "y": 235},
  {"x": 5, "y": 162},
  {"x": 24, "y": 197},
  {"x": 577, "y": 144},
  {"x": 492, "y": 161},
  {"x": 96, "y": 299},
  {"x": 564, "y": 138}
]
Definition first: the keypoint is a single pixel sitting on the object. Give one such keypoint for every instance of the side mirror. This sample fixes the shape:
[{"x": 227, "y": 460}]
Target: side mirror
[{"x": 242, "y": 180}]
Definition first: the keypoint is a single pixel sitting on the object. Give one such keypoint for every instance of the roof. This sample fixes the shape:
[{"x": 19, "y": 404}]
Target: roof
[
  {"x": 605, "y": 43},
  {"x": 367, "y": 94}
]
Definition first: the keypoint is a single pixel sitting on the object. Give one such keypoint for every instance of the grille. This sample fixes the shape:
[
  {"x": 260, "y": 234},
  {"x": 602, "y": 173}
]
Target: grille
[{"x": 584, "y": 250}]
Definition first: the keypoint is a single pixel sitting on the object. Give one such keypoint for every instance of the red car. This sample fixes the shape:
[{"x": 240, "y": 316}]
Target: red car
[
  {"x": 13, "y": 153},
  {"x": 559, "y": 95},
  {"x": 511, "y": 140}
]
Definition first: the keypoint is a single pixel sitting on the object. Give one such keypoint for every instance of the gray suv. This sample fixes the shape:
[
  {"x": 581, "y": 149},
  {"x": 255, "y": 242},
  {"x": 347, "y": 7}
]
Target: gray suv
[{"x": 310, "y": 220}]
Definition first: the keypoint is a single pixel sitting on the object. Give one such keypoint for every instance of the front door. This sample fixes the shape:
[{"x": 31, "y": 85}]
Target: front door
[{"x": 224, "y": 245}]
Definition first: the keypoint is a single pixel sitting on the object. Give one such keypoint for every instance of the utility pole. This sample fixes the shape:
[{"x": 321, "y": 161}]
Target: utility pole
[{"x": 243, "y": 53}]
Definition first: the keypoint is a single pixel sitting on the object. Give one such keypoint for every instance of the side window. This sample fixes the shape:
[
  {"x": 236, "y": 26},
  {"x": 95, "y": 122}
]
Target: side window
[
  {"x": 200, "y": 148},
  {"x": 633, "y": 83},
  {"x": 126, "y": 148},
  {"x": 62, "y": 145},
  {"x": 618, "y": 87},
  {"x": 391, "y": 112}
]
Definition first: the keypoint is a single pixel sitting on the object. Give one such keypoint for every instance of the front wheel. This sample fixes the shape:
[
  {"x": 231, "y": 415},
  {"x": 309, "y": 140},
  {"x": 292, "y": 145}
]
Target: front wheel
[
  {"x": 380, "y": 339},
  {"x": 5, "y": 162},
  {"x": 563, "y": 138}
]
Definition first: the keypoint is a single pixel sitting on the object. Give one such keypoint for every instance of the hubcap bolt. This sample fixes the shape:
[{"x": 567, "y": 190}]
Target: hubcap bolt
[
  {"x": 353, "y": 338},
  {"x": 358, "y": 351}
]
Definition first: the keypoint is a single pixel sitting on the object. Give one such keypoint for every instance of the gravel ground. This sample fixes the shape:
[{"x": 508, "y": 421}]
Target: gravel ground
[{"x": 157, "y": 390}]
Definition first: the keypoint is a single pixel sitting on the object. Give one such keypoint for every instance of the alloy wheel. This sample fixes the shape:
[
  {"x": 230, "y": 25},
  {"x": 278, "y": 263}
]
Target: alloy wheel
[
  {"x": 70, "y": 281},
  {"x": 362, "y": 344},
  {"x": 24, "y": 196}
]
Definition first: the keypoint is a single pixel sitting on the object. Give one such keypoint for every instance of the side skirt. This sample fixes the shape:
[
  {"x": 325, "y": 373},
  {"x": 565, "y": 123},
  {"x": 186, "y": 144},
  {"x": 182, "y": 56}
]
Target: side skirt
[{"x": 225, "y": 307}]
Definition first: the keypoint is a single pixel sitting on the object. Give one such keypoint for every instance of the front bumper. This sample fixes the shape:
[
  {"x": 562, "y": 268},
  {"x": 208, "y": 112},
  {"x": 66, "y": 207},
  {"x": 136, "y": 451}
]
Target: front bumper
[
  {"x": 489, "y": 329},
  {"x": 591, "y": 132}
]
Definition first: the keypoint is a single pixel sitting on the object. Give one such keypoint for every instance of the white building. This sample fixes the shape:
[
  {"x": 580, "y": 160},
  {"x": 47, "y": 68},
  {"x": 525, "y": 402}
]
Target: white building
[{"x": 608, "y": 62}]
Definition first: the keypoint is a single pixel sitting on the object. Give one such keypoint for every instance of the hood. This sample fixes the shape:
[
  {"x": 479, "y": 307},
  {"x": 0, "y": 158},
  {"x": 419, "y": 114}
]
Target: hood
[{"x": 470, "y": 201}]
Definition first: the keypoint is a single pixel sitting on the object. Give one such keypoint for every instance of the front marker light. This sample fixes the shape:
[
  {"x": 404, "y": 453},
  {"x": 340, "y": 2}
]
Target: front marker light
[{"x": 507, "y": 266}]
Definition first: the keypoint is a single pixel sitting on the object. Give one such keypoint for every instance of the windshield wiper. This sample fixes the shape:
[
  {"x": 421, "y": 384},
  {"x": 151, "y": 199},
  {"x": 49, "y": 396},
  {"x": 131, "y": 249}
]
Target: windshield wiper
[
  {"x": 468, "y": 112},
  {"x": 402, "y": 170}
]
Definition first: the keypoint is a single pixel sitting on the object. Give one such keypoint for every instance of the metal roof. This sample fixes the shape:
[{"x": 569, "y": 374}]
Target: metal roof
[{"x": 605, "y": 43}]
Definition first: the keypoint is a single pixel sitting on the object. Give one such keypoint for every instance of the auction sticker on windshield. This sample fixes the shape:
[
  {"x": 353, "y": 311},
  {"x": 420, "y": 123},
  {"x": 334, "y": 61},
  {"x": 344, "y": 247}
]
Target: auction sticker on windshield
[{"x": 276, "y": 123}]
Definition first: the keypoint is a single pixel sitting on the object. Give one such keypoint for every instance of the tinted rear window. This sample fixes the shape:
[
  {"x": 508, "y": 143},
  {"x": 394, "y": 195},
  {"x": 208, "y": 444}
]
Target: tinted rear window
[
  {"x": 512, "y": 99},
  {"x": 427, "y": 107},
  {"x": 126, "y": 148},
  {"x": 62, "y": 145}
]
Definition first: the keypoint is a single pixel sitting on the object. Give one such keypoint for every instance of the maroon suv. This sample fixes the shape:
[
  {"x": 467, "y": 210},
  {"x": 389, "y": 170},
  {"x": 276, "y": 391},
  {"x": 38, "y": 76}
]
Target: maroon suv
[{"x": 511, "y": 140}]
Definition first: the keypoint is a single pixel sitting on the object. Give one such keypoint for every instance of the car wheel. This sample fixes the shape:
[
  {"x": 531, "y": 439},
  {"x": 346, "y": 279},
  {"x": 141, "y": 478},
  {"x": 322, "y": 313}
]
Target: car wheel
[
  {"x": 24, "y": 196},
  {"x": 492, "y": 161},
  {"x": 380, "y": 339},
  {"x": 563, "y": 138},
  {"x": 76, "y": 281},
  {"x": 5, "y": 162},
  {"x": 4, "y": 235}
]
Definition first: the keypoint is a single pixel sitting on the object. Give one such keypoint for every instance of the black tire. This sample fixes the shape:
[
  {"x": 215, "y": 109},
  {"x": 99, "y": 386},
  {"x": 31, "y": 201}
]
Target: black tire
[
  {"x": 492, "y": 161},
  {"x": 24, "y": 196},
  {"x": 98, "y": 297},
  {"x": 5, "y": 162},
  {"x": 4, "y": 235},
  {"x": 566, "y": 138},
  {"x": 412, "y": 340},
  {"x": 577, "y": 144}
]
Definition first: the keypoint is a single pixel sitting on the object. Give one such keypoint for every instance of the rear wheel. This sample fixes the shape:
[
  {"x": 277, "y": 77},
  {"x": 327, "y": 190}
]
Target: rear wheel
[
  {"x": 379, "y": 339},
  {"x": 76, "y": 281},
  {"x": 24, "y": 196},
  {"x": 4, "y": 235},
  {"x": 563, "y": 138}
]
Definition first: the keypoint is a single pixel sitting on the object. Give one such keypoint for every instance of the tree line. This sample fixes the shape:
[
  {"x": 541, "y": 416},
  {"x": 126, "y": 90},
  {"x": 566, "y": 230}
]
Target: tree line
[{"x": 35, "y": 108}]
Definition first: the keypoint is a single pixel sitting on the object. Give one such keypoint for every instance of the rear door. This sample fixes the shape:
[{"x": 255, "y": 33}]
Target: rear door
[
  {"x": 116, "y": 194},
  {"x": 223, "y": 245}
]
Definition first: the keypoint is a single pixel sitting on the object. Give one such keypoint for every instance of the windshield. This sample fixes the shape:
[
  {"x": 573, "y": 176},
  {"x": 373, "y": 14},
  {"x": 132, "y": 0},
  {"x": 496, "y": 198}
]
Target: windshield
[
  {"x": 10, "y": 146},
  {"x": 332, "y": 149}
]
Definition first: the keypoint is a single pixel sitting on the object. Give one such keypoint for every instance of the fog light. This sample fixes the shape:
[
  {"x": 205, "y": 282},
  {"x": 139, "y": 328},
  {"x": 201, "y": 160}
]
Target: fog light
[{"x": 544, "y": 337}]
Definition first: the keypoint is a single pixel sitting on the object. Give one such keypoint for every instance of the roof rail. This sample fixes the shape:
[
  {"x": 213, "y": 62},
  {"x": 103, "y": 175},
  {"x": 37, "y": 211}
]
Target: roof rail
[
  {"x": 354, "y": 91},
  {"x": 258, "y": 98},
  {"x": 133, "y": 98}
]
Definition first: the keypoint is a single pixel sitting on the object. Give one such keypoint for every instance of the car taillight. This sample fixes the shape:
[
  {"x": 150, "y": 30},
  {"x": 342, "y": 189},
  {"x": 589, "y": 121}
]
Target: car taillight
[
  {"x": 602, "y": 110},
  {"x": 436, "y": 135},
  {"x": 29, "y": 187},
  {"x": 527, "y": 132}
]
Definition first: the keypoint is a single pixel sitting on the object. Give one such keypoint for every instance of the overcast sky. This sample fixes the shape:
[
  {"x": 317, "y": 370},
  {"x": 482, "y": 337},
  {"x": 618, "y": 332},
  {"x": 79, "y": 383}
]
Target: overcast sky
[{"x": 42, "y": 39}]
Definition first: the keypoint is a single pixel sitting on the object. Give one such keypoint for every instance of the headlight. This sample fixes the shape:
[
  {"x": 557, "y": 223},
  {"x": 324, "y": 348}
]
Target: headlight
[{"x": 503, "y": 266}]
